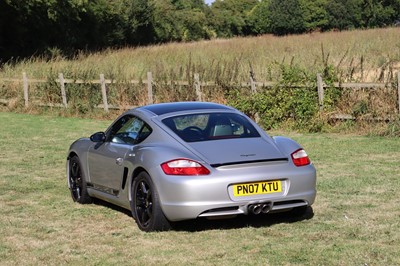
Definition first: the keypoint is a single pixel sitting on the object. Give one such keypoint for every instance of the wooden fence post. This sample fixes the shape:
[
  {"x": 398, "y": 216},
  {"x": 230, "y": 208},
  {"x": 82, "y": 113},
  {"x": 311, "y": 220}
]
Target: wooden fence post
[
  {"x": 150, "y": 87},
  {"x": 62, "y": 84},
  {"x": 104, "y": 92},
  {"x": 197, "y": 86},
  {"x": 320, "y": 85},
  {"x": 252, "y": 84},
  {"x": 26, "y": 85},
  {"x": 398, "y": 89},
  {"x": 254, "y": 91}
]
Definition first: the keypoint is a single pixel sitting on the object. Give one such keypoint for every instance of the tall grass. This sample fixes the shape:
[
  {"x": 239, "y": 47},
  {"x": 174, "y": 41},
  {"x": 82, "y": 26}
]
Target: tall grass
[{"x": 356, "y": 55}]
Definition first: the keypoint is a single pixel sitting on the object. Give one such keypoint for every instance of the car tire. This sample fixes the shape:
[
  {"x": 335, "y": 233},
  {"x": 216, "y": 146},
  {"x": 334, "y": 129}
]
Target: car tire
[
  {"x": 77, "y": 182},
  {"x": 145, "y": 205}
]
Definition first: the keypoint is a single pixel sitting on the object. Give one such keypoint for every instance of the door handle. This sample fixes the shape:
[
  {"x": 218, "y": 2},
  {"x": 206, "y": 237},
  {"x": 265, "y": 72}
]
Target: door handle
[{"x": 119, "y": 161}]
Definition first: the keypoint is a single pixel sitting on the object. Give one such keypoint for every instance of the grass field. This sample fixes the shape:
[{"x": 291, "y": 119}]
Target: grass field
[
  {"x": 355, "y": 219},
  {"x": 357, "y": 55}
]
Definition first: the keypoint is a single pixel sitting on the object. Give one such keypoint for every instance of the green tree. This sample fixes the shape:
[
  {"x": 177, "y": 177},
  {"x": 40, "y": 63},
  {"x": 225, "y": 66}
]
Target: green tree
[
  {"x": 314, "y": 14},
  {"x": 344, "y": 14},
  {"x": 380, "y": 13},
  {"x": 136, "y": 21},
  {"x": 230, "y": 17},
  {"x": 34, "y": 27},
  {"x": 260, "y": 18},
  {"x": 189, "y": 4},
  {"x": 180, "y": 20},
  {"x": 11, "y": 31},
  {"x": 286, "y": 17}
]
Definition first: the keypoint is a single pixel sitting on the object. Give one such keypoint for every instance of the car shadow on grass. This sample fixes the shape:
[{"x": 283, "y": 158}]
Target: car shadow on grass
[
  {"x": 106, "y": 204},
  {"x": 240, "y": 221}
]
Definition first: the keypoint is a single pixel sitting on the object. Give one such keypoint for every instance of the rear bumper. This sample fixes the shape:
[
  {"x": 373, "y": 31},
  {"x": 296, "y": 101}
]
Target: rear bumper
[
  {"x": 184, "y": 198},
  {"x": 183, "y": 212}
]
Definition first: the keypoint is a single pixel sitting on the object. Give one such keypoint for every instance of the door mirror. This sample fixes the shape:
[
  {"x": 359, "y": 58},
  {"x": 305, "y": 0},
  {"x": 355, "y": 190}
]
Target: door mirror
[{"x": 98, "y": 137}]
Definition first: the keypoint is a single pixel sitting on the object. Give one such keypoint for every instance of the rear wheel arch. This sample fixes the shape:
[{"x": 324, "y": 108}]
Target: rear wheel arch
[{"x": 135, "y": 174}]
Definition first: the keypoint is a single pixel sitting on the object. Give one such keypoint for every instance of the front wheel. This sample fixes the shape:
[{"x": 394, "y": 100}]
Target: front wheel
[
  {"x": 77, "y": 182},
  {"x": 145, "y": 205}
]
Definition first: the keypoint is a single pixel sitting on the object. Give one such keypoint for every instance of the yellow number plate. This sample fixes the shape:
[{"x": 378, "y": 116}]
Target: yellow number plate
[{"x": 257, "y": 188}]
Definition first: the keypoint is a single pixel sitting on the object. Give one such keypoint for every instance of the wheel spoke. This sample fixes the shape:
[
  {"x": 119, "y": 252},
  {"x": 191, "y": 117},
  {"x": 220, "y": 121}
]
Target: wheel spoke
[
  {"x": 75, "y": 169},
  {"x": 143, "y": 187},
  {"x": 72, "y": 182},
  {"x": 145, "y": 218},
  {"x": 149, "y": 210}
]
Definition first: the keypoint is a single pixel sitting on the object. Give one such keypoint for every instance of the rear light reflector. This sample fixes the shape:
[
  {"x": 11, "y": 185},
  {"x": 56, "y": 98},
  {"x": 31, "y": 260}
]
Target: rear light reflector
[
  {"x": 300, "y": 158},
  {"x": 184, "y": 167}
]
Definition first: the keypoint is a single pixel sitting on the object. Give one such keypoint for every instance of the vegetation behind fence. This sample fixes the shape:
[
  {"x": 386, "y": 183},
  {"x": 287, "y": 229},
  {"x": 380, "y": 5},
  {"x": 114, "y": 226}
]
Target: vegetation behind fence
[{"x": 298, "y": 97}]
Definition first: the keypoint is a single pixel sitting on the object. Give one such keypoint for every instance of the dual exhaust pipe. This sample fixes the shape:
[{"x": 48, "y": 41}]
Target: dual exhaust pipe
[{"x": 259, "y": 208}]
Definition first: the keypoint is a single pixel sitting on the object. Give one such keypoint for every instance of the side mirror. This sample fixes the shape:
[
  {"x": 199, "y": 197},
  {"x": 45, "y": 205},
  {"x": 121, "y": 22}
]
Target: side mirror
[{"x": 98, "y": 137}]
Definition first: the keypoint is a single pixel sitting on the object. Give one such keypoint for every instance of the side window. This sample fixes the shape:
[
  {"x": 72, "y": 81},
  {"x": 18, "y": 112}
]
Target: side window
[
  {"x": 144, "y": 133},
  {"x": 129, "y": 130}
]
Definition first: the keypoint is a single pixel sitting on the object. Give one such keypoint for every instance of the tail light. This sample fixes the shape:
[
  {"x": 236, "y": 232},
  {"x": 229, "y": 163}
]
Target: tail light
[
  {"x": 300, "y": 158},
  {"x": 184, "y": 167}
]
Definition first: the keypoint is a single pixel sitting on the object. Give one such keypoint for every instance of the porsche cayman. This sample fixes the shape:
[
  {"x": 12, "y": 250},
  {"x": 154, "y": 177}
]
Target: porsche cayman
[{"x": 179, "y": 161}]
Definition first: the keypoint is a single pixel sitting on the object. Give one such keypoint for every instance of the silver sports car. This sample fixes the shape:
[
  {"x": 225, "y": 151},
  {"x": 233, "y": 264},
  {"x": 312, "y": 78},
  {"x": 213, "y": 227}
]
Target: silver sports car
[{"x": 178, "y": 161}]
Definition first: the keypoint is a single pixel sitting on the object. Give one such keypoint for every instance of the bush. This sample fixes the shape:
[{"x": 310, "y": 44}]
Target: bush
[
  {"x": 393, "y": 128},
  {"x": 292, "y": 102}
]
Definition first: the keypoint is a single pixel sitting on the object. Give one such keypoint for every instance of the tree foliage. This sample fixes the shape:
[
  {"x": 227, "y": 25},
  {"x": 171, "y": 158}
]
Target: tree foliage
[
  {"x": 260, "y": 18},
  {"x": 230, "y": 17},
  {"x": 286, "y": 17},
  {"x": 180, "y": 20}
]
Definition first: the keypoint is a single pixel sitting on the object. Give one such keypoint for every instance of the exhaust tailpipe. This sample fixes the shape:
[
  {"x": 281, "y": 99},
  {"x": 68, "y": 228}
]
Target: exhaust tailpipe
[
  {"x": 255, "y": 209},
  {"x": 259, "y": 208},
  {"x": 266, "y": 208}
]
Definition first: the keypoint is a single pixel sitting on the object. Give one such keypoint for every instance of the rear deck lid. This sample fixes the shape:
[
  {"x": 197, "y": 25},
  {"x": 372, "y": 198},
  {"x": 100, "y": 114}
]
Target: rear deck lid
[{"x": 237, "y": 151}]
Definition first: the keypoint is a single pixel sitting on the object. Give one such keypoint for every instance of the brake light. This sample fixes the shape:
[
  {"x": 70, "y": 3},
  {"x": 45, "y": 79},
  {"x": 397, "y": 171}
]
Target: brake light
[
  {"x": 184, "y": 167},
  {"x": 300, "y": 158}
]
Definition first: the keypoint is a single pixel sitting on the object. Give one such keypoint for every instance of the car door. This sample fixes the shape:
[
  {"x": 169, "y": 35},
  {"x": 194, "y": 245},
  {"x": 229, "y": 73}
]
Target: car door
[{"x": 106, "y": 161}]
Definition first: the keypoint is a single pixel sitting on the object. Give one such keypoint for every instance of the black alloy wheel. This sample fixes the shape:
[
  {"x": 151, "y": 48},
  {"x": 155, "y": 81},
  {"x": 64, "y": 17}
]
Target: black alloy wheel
[
  {"x": 77, "y": 182},
  {"x": 144, "y": 203},
  {"x": 146, "y": 207}
]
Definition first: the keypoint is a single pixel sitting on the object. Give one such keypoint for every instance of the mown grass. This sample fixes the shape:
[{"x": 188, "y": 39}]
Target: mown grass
[{"x": 355, "y": 220}]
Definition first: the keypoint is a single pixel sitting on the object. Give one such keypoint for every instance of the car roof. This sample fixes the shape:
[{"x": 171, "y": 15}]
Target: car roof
[{"x": 164, "y": 108}]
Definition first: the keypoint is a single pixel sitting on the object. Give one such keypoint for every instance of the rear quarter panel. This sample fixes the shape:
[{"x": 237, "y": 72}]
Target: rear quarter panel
[{"x": 286, "y": 145}]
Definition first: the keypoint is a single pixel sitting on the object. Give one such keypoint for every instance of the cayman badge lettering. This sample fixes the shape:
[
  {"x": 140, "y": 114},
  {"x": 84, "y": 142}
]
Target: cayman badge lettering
[{"x": 247, "y": 155}]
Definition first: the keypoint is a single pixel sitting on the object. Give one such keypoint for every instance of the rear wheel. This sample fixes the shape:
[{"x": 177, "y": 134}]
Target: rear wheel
[
  {"x": 145, "y": 205},
  {"x": 77, "y": 182}
]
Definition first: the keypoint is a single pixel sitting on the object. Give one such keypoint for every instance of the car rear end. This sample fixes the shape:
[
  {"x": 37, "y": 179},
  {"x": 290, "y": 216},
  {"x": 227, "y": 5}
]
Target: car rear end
[
  {"x": 229, "y": 174},
  {"x": 238, "y": 189}
]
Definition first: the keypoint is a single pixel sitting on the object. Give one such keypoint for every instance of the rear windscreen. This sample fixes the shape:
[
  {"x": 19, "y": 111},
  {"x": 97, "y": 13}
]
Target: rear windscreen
[{"x": 212, "y": 126}]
